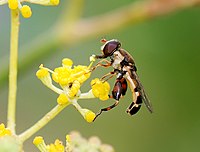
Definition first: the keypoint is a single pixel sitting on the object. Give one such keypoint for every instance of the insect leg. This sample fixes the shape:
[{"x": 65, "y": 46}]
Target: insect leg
[
  {"x": 118, "y": 90},
  {"x": 137, "y": 97},
  {"x": 135, "y": 105},
  {"x": 100, "y": 63},
  {"x": 107, "y": 109},
  {"x": 109, "y": 75}
]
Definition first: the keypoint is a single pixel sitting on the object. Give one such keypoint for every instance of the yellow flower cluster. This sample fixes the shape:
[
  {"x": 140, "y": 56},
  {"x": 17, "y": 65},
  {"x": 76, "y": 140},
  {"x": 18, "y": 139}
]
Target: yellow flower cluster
[
  {"x": 70, "y": 79},
  {"x": 100, "y": 89},
  {"x": 57, "y": 146},
  {"x": 4, "y": 131},
  {"x": 25, "y": 9},
  {"x": 74, "y": 142},
  {"x": 65, "y": 75}
]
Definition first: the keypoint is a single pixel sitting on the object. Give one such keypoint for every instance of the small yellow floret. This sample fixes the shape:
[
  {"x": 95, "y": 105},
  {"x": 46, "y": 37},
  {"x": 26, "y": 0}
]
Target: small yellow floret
[
  {"x": 61, "y": 75},
  {"x": 74, "y": 89},
  {"x": 2, "y": 126},
  {"x": 42, "y": 72},
  {"x": 79, "y": 70},
  {"x": 26, "y": 11},
  {"x": 38, "y": 140},
  {"x": 104, "y": 97},
  {"x": 68, "y": 138},
  {"x": 7, "y": 132},
  {"x": 54, "y": 2},
  {"x": 89, "y": 116},
  {"x": 67, "y": 62},
  {"x": 80, "y": 73},
  {"x": 4, "y": 131},
  {"x": 62, "y": 99},
  {"x": 56, "y": 147},
  {"x": 100, "y": 89},
  {"x": 83, "y": 78},
  {"x": 13, "y": 4}
]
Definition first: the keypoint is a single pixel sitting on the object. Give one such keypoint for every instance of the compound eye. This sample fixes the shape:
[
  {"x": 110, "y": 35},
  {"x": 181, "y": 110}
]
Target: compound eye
[{"x": 111, "y": 47}]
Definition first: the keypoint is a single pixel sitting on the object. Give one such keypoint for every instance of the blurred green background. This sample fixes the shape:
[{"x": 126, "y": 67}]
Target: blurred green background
[{"x": 167, "y": 54}]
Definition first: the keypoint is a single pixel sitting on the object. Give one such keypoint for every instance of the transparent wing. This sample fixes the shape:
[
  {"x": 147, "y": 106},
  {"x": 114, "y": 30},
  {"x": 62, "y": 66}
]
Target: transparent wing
[{"x": 142, "y": 92}]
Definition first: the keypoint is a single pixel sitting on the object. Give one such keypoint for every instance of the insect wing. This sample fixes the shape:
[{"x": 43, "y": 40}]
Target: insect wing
[{"x": 142, "y": 92}]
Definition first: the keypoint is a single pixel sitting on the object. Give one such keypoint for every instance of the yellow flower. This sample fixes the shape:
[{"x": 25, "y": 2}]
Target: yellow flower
[
  {"x": 42, "y": 72},
  {"x": 100, "y": 89},
  {"x": 25, "y": 9},
  {"x": 68, "y": 138},
  {"x": 54, "y": 2},
  {"x": 39, "y": 143},
  {"x": 38, "y": 140},
  {"x": 76, "y": 142},
  {"x": 56, "y": 147},
  {"x": 61, "y": 75},
  {"x": 74, "y": 89},
  {"x": 44, "y": 76},
  {"x": 62, "y": 99},
  {"x": 4, "y": 131},
  {"x": 89, "y": 116},
  {"x": 70, "y": 80},
  {"x": 66, "y": 62},
  {"x": 13, "y": 4}
]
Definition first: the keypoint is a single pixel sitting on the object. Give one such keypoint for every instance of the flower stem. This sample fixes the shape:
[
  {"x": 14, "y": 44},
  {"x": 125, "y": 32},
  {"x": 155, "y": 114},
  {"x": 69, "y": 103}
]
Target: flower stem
[
  {"x": 88, "y": 95},
  {"x": 13, "y": 70},
  {"x": 42, "y": 122}
]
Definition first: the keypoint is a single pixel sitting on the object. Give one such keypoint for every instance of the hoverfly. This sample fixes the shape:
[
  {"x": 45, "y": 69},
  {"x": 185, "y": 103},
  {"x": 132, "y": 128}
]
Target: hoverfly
[{"x": 125, "y": 71}]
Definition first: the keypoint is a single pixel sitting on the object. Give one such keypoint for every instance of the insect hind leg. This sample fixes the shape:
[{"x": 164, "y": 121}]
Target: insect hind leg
[
  {"x": 135, "y": 106},
  {"x": 107, "y": 109}
]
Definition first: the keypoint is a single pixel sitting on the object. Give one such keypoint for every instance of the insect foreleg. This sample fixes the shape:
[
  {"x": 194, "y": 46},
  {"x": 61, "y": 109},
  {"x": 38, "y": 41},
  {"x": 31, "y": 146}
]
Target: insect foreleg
[{"x": 100, "y": 63}]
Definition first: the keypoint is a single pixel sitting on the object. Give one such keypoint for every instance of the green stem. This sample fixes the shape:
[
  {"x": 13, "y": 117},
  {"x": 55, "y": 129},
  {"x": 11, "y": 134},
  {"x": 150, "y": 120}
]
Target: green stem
[
  {"x": 13, "y": 70},
  {"x": 41, "y": 123}
]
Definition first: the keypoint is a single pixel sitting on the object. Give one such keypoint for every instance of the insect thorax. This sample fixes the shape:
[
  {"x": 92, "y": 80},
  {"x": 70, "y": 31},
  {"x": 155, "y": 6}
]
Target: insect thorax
[{"x": 116, "y": 59}]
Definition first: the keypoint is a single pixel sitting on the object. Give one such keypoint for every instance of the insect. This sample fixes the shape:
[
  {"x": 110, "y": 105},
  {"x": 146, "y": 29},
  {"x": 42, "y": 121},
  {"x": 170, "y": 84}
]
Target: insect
[{"x": 125, "y": 71}]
